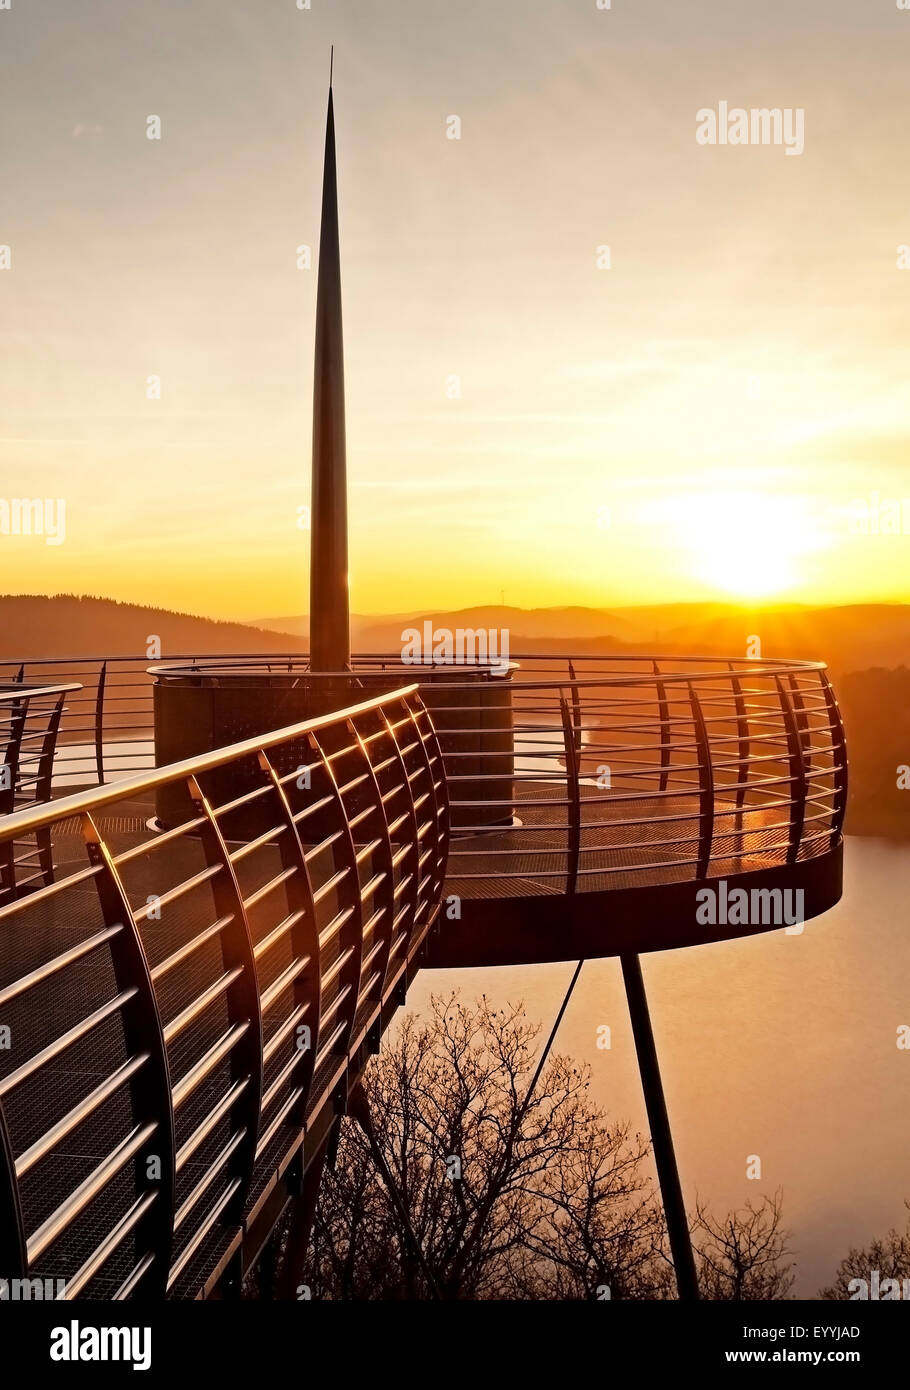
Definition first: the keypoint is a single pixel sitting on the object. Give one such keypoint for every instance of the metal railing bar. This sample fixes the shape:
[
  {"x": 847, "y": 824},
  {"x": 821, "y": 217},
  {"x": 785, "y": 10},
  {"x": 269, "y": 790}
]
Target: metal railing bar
[
  {"x": 354, "y": 782},
  {"x": 250, "y": 846},
  {"x": 207, "y": 1062},
  {"x": 36, "y": 692},
  {"x": 279, "y": 1082},
  {"x": 210, "y": 1122},
  {"x": 648, "y": 867},
  {"x": 329, "y": 1044},
  {"x": 79, "y": 1113},
  {"x": 369, "y": 981},
  {"x": 186, "y": 950},
  {"x": 524, "y": 802},
  {"x": 64, "y": 1041},
  {"x": 277, "y": 933},
  {"x": 370, "y": 887},
  {"x": 199, "y": 1235},
  {"x": 311, "y": 810},
  {"x": 238, "y": 801},
  {"x": 343, "y": 752},
  {"x": 52, "y": 967},
  {"x": 111, "y": 1242},
  {"x": 330, "y": 975},
  {"x": 269, "y": 887},
  {"x": 140, "y": 914},
  {"x": 484, "y": 853},
  {"x": 325, "y": 844},
  {"x": 403, "y": 882},
  {"x": 294, "y": 1099},
  {"x": 283, "y": 982},
  {"x": 66, "y": 1213},
  {"x": 285, "y": 1030},
  {"x": 333, "y": 1005},
  {"x": 325, "y": 888},
  {"x": 180, "y": 1022},
  {"x": 194, "y": 1196},
  {"x": 368, "y": 849},
  {"x": 329, "y": 932},
  {"x": 372, "y": 954},
  {"x": 156, "y": 841}
]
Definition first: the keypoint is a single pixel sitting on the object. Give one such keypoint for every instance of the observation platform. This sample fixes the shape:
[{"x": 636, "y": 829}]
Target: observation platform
[{"x": 158, "y": 1107}]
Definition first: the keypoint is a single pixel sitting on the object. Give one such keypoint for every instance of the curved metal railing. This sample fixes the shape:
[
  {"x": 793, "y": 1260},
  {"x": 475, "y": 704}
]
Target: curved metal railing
[
  {"x": 30, "y": 718},
  {"x": 622, "y": 777},
  {"x": 621, "y": 770},
  {"x": 184, "y": 1006},
  {"x": 627, "y": 769}
]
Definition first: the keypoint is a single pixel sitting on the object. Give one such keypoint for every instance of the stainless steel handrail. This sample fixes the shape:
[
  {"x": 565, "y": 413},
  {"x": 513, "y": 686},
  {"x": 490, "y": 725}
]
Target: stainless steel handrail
[
  {"x": 18, "y": 690},
  {"x": 204, "y": 1028},
  {"x": 96, "y": 797}
]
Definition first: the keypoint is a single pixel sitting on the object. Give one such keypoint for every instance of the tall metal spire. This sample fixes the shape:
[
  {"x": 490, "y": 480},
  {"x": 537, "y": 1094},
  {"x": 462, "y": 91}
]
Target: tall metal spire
[{"x": 330, "y": 640}]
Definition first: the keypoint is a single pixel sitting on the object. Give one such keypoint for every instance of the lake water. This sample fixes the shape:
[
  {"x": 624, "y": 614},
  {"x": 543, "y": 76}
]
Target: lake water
[{"x": 780, "y": 1046}]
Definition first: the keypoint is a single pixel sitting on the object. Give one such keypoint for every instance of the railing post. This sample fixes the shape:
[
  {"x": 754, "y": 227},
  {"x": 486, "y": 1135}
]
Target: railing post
[
  {"x": 242, "y": 997},
  {"x": 798, "y": 781},
  {"x": 351, "y": 935},
  {"x": 13, "y": 1243},
  {"x": 839, "y": 757},
  {"x": 706, "y": 787},
  {"x": 44, "y": 785},
  {"x": 412, "y": 857},
  {"x": 802, "y": 721},
  {"x": 17, "y": 720},
  {"x": 574, "y": 798},
  {"x": 18, "y": 717},
  {"x": 440, "y": 801},
  {"x": 742, "y": 733},
  {"x": 99, "y": 723},
  {"x": 304, "y": 934},
  {"x": 384, "y": 922},
  {"x": 150, "y": 1087},
  {"x": 576, "y": 707},
  {"x": 663, "y": 714}
]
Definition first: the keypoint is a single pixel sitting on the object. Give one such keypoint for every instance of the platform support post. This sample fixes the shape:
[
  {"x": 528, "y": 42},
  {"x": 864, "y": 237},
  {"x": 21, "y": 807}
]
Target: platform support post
[
  {"x": 300, "y": 1228},
  {"x": 661, "y": 1138}
]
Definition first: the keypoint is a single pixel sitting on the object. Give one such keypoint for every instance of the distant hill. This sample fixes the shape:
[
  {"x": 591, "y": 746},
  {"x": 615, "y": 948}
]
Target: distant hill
[
  {"x": 63, "y": 625},
  {"x": 534, "y": 624},
  {"x": 859, "y": 642},
  {"x": 850, "y": 637}
]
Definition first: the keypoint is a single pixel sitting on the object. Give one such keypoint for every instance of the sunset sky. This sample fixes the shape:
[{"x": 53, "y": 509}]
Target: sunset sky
[{"x": 698, "y": 421}]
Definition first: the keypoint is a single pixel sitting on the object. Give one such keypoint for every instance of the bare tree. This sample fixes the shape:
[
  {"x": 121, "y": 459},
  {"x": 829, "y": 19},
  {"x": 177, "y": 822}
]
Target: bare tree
[
  {"x": 743, "y": 1255},
  {"x": 890, "y": 1257},
  {"x": 451, "y": 1181},
  {"x": 453, "y": 1187}
]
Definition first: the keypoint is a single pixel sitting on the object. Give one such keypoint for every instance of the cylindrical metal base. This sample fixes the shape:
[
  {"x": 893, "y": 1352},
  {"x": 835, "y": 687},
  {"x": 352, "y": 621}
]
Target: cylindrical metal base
[{"x": 199, "y": 708}]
